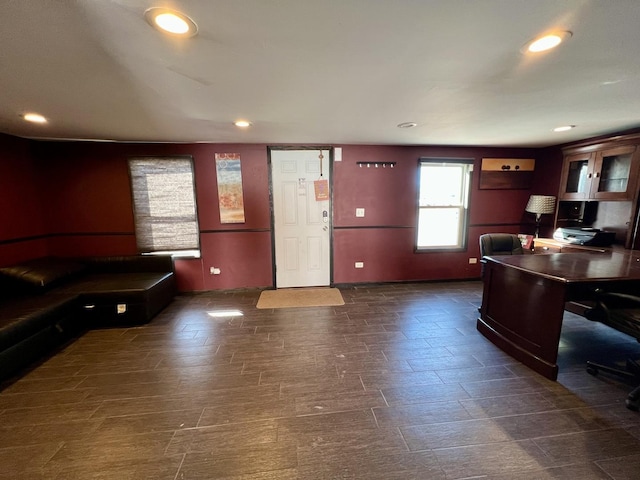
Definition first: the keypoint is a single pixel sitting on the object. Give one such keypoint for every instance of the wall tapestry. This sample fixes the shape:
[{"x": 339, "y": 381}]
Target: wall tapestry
[{"x": 230, "y": 199}]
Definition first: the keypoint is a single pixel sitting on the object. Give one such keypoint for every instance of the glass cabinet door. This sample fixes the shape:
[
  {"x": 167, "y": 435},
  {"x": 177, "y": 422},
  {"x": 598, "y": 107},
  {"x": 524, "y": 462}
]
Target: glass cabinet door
[
  {"x": 577, "y": 176},
  {"x": 577, "y": 181},
  {"x": 613, "y": 173}
]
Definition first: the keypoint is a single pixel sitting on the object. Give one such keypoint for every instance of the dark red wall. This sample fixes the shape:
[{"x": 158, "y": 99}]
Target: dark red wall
[
  {"x": 90, "y": 212},
  {"x": 87, "y": 207},
  {"x": 76, "y": 197},
  {"x": 389, "y": 196},
  {"x": 21, "y": 225}
]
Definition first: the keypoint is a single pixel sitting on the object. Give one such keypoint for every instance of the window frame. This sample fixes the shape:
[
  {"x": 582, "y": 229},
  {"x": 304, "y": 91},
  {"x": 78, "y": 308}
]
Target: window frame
[
  {"x": 464, "y": 207},
  {"x": 179, "y": 252}
]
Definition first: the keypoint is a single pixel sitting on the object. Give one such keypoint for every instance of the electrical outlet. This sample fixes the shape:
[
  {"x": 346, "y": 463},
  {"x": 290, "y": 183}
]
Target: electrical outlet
[
  {"x": 473, "y": 261},
  {"x": 214, "y": 271},
  {"x": 359, "y": 212},
  {"x": 359, "y": 264}
]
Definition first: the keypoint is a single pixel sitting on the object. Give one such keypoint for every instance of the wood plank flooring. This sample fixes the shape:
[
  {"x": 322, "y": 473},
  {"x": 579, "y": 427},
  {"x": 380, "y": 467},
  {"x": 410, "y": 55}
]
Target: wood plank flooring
[{"x": 395, "y": 384}]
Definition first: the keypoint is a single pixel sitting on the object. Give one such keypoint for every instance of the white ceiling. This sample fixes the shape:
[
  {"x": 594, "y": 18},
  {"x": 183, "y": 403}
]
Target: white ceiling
[{"x": 321, "y": 71}]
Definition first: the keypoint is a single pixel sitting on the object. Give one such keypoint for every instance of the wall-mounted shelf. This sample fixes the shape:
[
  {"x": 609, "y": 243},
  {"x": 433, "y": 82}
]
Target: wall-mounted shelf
[
  {"x": 506, "y": 173},
  {"x": 376, "y": 164}
]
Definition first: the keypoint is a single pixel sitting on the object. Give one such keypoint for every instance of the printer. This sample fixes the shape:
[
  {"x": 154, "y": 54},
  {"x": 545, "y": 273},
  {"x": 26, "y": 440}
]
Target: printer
[{"x": 585, "y": 236}]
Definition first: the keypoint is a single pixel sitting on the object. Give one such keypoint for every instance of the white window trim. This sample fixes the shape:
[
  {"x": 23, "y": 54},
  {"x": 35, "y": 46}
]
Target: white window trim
[{"x": 463, "y": 208}]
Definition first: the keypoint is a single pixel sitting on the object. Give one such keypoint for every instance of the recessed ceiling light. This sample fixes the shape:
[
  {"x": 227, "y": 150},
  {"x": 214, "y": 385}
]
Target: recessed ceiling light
[
  {"x": 407, "y": 125},
  {"x": 564, "y": 128},
  {"x": 242, "y": 123},
  {"x": 171, "y": 21},
  {"x": 547, "y": 42},
  {"x": 34, "y": 118}
]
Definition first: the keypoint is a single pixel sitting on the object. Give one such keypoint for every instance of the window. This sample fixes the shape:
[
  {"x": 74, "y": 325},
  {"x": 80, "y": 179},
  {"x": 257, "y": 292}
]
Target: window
[
  {"x": 164, "y": 205},
  {"x": 443, "y": 203}
]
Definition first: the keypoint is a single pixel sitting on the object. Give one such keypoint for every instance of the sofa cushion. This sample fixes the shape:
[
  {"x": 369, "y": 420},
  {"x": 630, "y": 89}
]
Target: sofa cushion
[
  {"x": 119, "y": 284},
  {"x": 21, "y": 318},
  {"x": 41, "y": 274}
]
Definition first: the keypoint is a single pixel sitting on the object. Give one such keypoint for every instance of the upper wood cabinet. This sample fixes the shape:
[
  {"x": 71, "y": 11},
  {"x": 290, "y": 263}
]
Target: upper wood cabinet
[{"x": 607, "y": 171}]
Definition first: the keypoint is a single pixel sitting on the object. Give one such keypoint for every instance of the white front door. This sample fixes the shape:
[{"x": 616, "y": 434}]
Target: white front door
[{"x": 302, "y": 223}]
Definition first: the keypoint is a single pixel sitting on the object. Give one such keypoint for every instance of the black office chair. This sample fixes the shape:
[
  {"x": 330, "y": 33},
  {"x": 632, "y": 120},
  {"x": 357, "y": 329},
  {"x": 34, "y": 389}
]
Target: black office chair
[
  {"x": 499, "y": 244},
  {"x": 622, "y": 312}
]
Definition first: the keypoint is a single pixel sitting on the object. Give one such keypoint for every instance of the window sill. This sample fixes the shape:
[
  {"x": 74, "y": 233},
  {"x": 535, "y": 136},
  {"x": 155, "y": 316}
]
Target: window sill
[
  {"x": 181, "y": 254},
  {"x": 439, "y": 249}
]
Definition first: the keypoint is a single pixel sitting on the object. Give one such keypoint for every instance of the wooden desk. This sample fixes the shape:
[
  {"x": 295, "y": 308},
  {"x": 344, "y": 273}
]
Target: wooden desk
[
  {"x": 550, "y": 245},
  {"x": 524, "y": 298}
]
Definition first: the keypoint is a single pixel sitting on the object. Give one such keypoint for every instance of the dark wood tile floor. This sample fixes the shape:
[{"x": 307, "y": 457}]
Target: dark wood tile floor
[{"x": 396, "y": 384}]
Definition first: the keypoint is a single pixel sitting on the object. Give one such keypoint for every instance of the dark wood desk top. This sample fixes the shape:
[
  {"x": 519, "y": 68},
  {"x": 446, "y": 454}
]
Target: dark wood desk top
[
  {"x": 564, "y": 247},
  {"x": 577, "y": 267}
]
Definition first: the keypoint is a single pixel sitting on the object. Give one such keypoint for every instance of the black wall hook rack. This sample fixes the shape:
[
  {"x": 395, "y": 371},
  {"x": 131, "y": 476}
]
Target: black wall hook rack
[{"x": 376, "y": 164}]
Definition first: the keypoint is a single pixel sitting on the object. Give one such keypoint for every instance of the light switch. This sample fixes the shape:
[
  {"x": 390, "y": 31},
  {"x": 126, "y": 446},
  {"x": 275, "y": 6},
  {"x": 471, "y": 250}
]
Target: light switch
[{"x": 359, "y": 212}]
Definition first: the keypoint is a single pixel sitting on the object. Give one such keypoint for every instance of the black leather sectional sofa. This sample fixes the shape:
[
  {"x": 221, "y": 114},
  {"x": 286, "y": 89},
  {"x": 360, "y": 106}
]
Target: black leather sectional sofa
[{"x": 46, "y": 301}]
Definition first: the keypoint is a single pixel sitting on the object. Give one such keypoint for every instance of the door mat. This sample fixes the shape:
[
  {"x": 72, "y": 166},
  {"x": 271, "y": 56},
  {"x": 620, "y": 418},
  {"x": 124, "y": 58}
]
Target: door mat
[{"x": 300, "y": 297}]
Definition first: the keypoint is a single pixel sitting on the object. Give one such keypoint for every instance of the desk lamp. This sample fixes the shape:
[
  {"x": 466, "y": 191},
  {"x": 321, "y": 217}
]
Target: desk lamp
[{"x": 540, "y": 205}]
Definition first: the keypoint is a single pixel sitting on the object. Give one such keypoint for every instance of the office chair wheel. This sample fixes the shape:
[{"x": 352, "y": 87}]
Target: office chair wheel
[
  {"x": 633, "y": 404},
  {"x": 591, "y": 370},
  {"x": 595, "y": 368}
]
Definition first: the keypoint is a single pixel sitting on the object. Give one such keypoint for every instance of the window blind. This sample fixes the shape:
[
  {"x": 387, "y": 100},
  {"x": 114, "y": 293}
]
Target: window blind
[{"x": 164, "y": 204}]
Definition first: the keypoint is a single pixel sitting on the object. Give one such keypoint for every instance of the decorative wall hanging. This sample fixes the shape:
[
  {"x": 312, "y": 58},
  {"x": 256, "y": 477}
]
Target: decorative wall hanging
[
  {"x": 230, "y": 197},
  {"x": 321, "y": 186}
]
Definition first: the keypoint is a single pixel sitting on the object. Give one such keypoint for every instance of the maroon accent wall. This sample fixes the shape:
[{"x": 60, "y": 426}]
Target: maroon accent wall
[
  {"x": 79, "y": 244},
  {"x": 75, "y": 199},
  {"x": 244, "y": 259},
  {"x": 90, "y": 212},
  {"x": 86, "y": 191},
  {"x": 384, "y": 238},
  {"x": 21, "y": 222}
]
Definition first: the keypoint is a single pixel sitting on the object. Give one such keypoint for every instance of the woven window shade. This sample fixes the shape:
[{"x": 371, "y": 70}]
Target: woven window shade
[{"x": 164, "y": 204}]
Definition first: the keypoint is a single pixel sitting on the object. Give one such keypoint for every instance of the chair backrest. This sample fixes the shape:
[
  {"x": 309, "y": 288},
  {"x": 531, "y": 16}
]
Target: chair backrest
[{"x": 500, "y": 244}]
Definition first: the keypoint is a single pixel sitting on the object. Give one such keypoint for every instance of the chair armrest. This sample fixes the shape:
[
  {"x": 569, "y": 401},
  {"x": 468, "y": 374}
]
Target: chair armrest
[
  {"x": 608, "y": 302},
  {"x": 618, "y": 300}
]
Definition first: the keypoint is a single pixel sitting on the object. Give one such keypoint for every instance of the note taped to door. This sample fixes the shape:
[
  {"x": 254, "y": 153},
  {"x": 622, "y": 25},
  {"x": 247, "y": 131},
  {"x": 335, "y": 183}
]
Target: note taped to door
[{"x": 321, "y": 188}]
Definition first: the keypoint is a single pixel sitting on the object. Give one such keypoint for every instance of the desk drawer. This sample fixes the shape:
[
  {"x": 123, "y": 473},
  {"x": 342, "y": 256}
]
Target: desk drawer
[{"x": 547, "y": 249}]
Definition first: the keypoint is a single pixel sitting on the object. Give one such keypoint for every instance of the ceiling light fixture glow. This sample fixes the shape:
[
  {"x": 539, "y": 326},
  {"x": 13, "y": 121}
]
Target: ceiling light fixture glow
[
  {"x": 547, "y": 42},
  {"x": 171, "y": 21},
  {"x": 564, "y": 128},
  {"x": 34, "y": 118},
  {"x": 407, "y": 125},
  {"x": 242, "y": 123}
]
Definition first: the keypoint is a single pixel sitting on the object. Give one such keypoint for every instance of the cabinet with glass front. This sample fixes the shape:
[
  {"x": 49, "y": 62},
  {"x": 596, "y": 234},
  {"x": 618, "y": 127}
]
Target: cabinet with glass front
[{"x": 607, "y": 173}]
